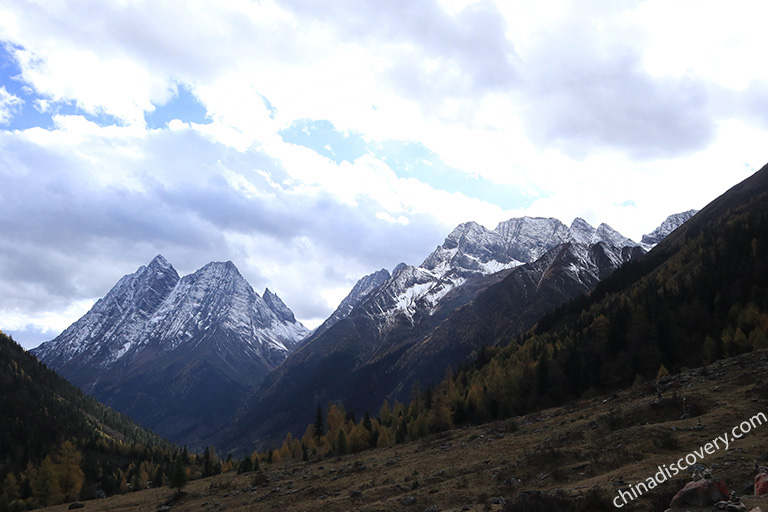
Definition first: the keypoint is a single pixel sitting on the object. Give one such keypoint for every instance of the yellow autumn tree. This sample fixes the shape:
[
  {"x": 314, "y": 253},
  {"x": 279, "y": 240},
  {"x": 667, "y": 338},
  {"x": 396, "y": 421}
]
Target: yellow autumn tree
[{"x": 71, "y": 476}]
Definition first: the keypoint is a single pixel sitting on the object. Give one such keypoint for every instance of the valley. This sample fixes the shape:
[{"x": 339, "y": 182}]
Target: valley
[{"x": 584, "y": 448}]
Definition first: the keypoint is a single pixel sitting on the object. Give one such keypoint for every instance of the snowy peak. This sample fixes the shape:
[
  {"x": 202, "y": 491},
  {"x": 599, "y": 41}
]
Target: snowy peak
[
  {"x": 364, "y": 287},
  {"x": 605, "y": 233},
  {"x": 153, "y": 307},
  {"x": 160, "y": 264},
  {"x": 582, "y": 231},
  {"x": 670, "y": 224},
  {"x": 530, "y": 237},
  {"x": 469, "y": 248},
  {"x": 278, "y": 307},
  {"x": 471, "y": 251},
  {"x": 115, "y": 319}
]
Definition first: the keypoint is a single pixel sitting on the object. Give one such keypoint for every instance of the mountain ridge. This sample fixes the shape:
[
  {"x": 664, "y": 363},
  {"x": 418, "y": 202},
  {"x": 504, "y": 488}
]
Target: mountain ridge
[
  {"x": 378, "y": 345},
  {"x": 170, "y": 350}
]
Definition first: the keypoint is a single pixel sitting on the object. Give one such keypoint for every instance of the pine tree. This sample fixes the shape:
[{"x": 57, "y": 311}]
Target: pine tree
[
  {"x": 157, "y": 480},
  {"x": 246, "y": 466},
  {"x": 178, "y": 478},
  {"x": 341, "y": 443},
  {"x": 11, "y": 486},
  {"x": 319, "y": 429}
]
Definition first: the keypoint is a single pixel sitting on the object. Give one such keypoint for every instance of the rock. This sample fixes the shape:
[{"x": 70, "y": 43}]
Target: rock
[
  {"x": 356, "y": 493},
  {"x": 761, "y": 484},
  {"x": 701, "y": 493},
  {"x": 756, "y": 509},
  {"x": 75, "y": 505},
  {"x": 408, "y": 500}
]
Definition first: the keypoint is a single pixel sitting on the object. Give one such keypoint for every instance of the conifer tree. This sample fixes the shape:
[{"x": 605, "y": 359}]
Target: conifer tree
[
  {"x": 341, "y": 443},
  {"x": 178, "y": 477},
  {"x": 319, "y": 429}
]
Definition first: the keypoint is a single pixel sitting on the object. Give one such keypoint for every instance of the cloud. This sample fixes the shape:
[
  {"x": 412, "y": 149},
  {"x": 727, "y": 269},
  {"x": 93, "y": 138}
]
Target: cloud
[
  {"x": 83, "y": 205},
  {"x": 589, "y": 91},
  {"x": 179, "y": 129},
  {"x": 9, "y": 105}
]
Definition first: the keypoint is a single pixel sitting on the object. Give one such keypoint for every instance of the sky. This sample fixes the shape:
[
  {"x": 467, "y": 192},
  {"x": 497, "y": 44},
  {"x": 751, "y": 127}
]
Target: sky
[{"x": 312, "y": 143}]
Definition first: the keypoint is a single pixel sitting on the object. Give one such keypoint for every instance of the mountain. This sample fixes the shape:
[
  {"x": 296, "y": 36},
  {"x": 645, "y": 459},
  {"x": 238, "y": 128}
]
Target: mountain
[
  {"x": 700, "y": 295},
  {"x": 175, "y": 353},
  {"x": 46, "y": 417},
  {"x": 405, "y": 329},
  {"x": 359, "y": 292},
  {"x": 668, "y": 226}
]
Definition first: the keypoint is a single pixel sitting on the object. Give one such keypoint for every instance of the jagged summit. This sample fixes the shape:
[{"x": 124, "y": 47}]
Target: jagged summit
[
  {"x": 397, "y": 335},
  {"x": 582, "y": 231},
  {"x": 278, "y": 307},
  {"x": 605, "y": 233},
  {"x": 530, "y": 237},
  {"x": 362, "y": 289},
  {"x": 115, "y": 322},
  {"x": 159, "y": 262},
  {"x": 154, "y": 328},
  {"x": 670, "y": 224}
]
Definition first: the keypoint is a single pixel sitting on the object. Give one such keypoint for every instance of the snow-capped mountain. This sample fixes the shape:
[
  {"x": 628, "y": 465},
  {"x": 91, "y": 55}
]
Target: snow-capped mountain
[
  {"x": 471, "y": 251},
  {"x": 116, "y": 322},
  {"x": 393, "y": 336},
  {"x": 184, "y": 344},
  {"x": 364, "y": 287},
  {"x": 668, "y": 226}
]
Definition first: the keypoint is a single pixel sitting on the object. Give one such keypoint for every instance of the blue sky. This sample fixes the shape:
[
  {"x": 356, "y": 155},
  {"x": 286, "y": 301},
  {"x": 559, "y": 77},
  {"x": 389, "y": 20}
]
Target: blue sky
[
  {"x": 312, "y": 146},
  {"x": 408, "y": 159}
]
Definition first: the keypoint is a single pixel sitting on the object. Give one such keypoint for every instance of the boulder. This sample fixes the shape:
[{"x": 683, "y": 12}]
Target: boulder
[
  {"x": 701, "y": 493},
  {"x": 761, "y": 483}
]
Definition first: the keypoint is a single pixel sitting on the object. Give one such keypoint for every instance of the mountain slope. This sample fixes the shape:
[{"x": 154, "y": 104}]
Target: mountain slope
[
  {"x": 115, "y": 322},
  {"x": 395, "y": 337},
  {"x": 364, "y": 287},
  {"x": 668, "y": 226},
  {"x": 41, "y": 411},
  {"x": 701, "y": 294},
  {"x": 176, "y": 353}
]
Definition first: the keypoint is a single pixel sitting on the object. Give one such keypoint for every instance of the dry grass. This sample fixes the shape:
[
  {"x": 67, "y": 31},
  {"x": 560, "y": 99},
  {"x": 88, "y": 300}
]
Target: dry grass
[{"x": 582, "y": 449}]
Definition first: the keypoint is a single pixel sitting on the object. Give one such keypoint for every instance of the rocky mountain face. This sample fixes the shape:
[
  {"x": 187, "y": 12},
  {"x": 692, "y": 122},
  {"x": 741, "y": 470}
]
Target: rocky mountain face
[
  {"x": 174, "y": 352},
  {"x": 413, "y": 324},
  {"x": 668, "y": 226},
  {"x": 359, "y": 292}
]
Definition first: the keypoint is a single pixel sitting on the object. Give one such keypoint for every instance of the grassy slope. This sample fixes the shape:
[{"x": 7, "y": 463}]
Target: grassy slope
[{"x": 581, "y": 446}]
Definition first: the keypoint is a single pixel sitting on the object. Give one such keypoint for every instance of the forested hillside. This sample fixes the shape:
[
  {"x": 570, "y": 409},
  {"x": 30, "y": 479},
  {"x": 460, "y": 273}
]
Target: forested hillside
[
  {"x": 700, "y": 296},
  {"x": 58, "y": 444}
]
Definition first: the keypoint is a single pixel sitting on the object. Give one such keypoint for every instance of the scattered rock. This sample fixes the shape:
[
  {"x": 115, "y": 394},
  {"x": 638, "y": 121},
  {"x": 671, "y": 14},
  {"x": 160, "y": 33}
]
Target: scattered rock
[
  {"x": 732, "y": 505},
  {"x": 75, "y": 505},
  {"x": 408, "y": 500},
  {"x": 761, "y": 482},
  {"x": 356, "y": 493},
  {"x": 701, "y": 493}
]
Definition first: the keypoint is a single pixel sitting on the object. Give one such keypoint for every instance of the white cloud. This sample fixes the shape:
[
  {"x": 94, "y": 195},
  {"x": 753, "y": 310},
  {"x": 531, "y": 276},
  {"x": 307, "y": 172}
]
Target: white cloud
[
  {"x": 616, "y": 112},
  {"x": 9, "y": 105}
]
